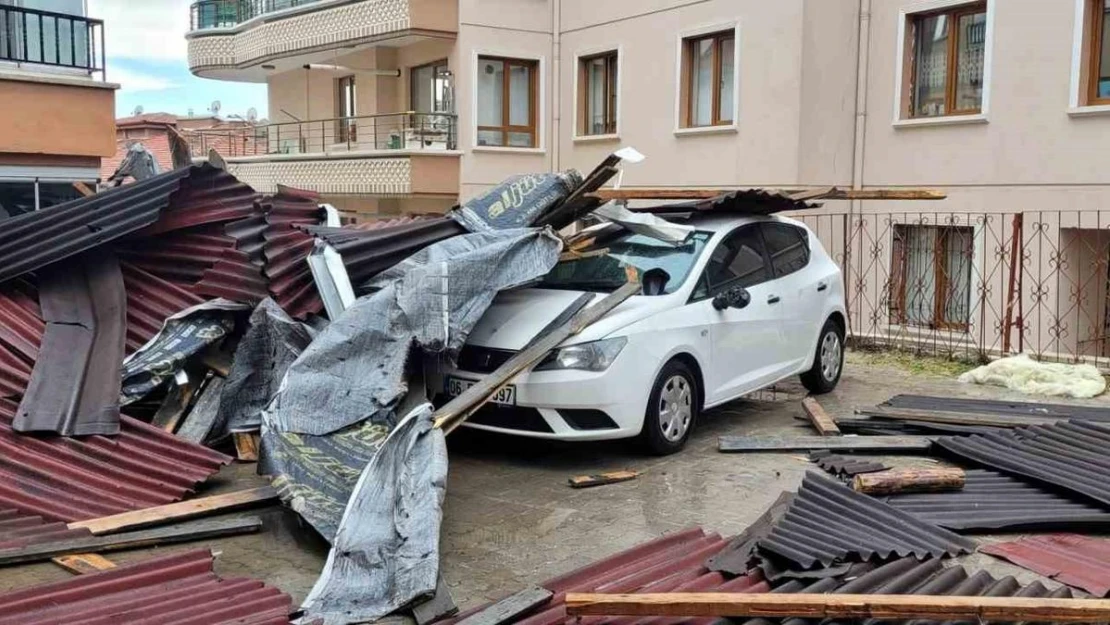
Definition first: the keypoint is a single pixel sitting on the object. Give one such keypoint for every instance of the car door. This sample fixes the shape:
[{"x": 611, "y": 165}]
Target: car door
[
  {"x": 746, "y": 343},
  {"x": 796, "y": 284}
]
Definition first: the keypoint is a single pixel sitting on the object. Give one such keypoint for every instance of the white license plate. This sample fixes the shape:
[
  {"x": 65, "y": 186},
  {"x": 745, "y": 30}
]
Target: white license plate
[{"x": 506, "y": 396}]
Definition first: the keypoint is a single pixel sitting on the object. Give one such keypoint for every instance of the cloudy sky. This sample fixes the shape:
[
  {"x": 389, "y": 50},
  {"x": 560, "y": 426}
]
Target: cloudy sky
[{"x": 145, "y": 41}]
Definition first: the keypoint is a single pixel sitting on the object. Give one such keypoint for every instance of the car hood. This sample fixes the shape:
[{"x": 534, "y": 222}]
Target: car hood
[{"x": 516, "y": 317}]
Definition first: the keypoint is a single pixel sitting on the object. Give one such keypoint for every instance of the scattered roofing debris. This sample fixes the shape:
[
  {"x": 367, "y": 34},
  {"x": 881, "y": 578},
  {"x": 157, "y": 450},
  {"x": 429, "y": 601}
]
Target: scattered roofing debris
[
  {"x": 890, "y": 444},
  {"x": 844, "y": 465},
  {"x": 895, "y": 481},
  {"x": 797, "y": 195},
  {"x": 822, "y": 422},
  {"x": 601, "y": 479},
  {"x": 175, "y": 588},
  {"x": 999, "y": 407},
  {"x": 1075, "y": 560}
]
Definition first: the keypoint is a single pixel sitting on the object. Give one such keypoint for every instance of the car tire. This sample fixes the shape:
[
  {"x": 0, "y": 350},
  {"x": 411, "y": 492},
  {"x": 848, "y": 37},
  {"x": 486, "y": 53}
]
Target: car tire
[
  {"x": 828, "y": 360},
  {"x": 673, "y": 408}
]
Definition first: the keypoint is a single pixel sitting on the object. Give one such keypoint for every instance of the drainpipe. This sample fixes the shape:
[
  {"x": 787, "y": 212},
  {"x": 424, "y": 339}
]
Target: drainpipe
[
  {"x": 556, "y": 79},
  {"x": 862, "y": 63}
]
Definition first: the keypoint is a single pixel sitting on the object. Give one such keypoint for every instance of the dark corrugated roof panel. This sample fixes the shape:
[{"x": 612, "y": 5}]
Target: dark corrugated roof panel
[
  {"x": 829, "y": 522},
  {"x": 73, "y": 479},
  {"x": 1072, "y": 455},
  {"x": 1000, "y": 407},
  {"x": 286, "y": 249},
  {"x": 742, "y": 201},
  {"x": 993, "y": 501},
  {"x": 845, "y": 465},
  {"x": 1079, "y": 561},
  {"x": 150, "y": 301},
  {"x": 21, "y": 324},
  {"x": 180, "y": 588}
]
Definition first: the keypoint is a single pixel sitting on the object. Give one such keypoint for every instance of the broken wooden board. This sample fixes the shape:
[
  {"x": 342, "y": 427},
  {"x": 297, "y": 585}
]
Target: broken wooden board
[
  {"x": 439, "y": 606},
  {"x": 509, "y": 608},
  {"x": 202, "y": 417},
  {"x": 179, "y": 511},
  {"x": 731, "y": 444},
  {"x": 897, "y": 481},
  {"x": 82, "y": 563},
  {"x": 818, "y": 606},
  {"x": 176, "y": 404},
  {"x": 822, "y": 422},
  {"x": 246, "y": 446},
  {"x": 600, "y": 479},
  {"x": 196, "y": 530}
]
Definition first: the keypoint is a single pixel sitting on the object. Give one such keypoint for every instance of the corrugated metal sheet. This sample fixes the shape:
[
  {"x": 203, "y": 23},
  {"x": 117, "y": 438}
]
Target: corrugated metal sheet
[
  {"x": 182, "y": 589},
  {"x": 829, "y": 522},
  {"x": 21, "y": 324},
  {"x": 993, "y": 501},
  {"x": 845, "y": 465},
  {"x": 1000, "y": 407},
  {"x": 1071, "y": 455},
  {"x": 742, "y": 201},
  {"x": 72, "y": 479},
  {"x": 150, "y": 301},
  {"x": 286, "y": 249},
  {"x": 209, "y": 196},
  {"x": 18, "y": 530},
  {"x": 1079, "y": 561}
]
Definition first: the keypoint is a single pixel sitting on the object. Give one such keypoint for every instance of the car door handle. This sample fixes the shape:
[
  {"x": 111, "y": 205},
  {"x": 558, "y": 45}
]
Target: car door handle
[
  {"x": 772, "y": 299},
  {"x": 821, "y": 286}
]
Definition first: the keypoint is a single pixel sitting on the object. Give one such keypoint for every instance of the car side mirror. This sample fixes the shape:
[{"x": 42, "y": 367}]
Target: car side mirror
[{"x": 732, "y": 297}]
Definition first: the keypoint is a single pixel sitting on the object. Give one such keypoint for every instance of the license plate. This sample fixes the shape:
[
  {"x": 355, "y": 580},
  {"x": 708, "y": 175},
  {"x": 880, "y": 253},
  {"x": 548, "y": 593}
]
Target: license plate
[{"x": 506, "y": 396}]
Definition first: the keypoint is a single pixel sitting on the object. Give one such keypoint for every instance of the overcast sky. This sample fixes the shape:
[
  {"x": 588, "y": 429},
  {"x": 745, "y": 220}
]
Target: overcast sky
[{"x": 145, "y": 42}]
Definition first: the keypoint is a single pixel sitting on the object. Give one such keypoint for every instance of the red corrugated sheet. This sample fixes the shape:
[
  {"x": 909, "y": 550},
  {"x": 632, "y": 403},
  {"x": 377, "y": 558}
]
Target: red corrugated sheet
[
  {"x": 21, "y": 329},
  {"x": 1071, "y": 559},
  {"x": 18, "y": 529},
  {"x": 150, "y": 301},
  {"x": 286, "y": 248},
  {"x": 72, "y": 479},
  {"x": 182, "y": 589}
]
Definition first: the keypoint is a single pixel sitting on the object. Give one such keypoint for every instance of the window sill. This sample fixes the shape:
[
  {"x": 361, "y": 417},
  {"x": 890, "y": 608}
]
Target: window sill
[
  {"x": 947, "y": 120},
  {"x": 497, "y": 149},
  {"x": 596, "y": 138},
  {"x": 1093, "y": 110},
  {"x": 730, "y": 129}
]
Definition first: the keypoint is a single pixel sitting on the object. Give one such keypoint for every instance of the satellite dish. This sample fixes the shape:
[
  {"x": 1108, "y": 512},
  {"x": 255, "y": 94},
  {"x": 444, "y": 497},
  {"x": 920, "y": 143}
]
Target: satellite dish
[
  {"x": 252, "y": 114},
  {"x": 138, "y": 111},
  {"x": 215, "y": 107}
]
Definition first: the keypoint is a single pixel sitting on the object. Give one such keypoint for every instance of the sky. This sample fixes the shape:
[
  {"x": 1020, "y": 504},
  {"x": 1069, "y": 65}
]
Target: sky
[{"x": 145, "y": 43}]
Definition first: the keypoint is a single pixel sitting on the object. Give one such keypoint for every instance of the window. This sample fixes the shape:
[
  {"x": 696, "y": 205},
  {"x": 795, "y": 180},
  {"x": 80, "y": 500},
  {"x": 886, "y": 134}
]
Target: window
[
  {"x": 709, "y": 79},
  {"x": 1099, "y": 60},
  {"x": 346, "y": 127},
  {"x": 507, "y": 102},
  {"x": 947, "y": 59},
  {"x": 428, "y": 88},
  {"x": 788, "y": 247},
  {"x": 597, "y": 94},
  {"x": 737, "y": 261},
  {"x": 930, "y": 273}
]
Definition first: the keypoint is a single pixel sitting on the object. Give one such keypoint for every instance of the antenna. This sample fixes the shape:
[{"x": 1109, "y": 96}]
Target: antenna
[
  {"x": 252, "y": 115},
  {"x": 214, "y": 108},
  {"x": 138, "y": 110},
  {"x": 189, "y": 113}
]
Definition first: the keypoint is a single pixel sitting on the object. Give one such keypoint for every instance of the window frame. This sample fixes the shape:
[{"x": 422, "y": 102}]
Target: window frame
[
  {"x": 612, "y": 96},
  {"x": 1096, "y": 40},
  {"x": 802, "y": 235},
  {"x": 711, "y": 289},
  {"x": 898, "y": 283},
  {"x": 534, "y": 97},
  {"x": 953, "y": 14},
  {"x": 687, "y": 46},
  {"x": 412, "y": 81},
  {"x": 346, "y": 127}
]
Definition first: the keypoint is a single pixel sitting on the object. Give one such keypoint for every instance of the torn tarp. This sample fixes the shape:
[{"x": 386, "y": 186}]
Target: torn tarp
[
  {"x": 355, "y": 369},
  {"x": 517, "y": 202},
  {"x": 182, "y": 336},
  {"x": 386, "y": 553}
]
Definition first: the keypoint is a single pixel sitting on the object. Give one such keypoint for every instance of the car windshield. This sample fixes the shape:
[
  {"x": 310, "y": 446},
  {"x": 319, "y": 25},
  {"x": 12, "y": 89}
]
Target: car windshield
[{"x": 606, "y": 265}]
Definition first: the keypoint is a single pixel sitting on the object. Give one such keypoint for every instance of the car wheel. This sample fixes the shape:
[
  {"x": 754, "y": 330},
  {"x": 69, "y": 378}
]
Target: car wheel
[
  {"x": 828, "y": 362},
  {"x": 672, "y": 410}
]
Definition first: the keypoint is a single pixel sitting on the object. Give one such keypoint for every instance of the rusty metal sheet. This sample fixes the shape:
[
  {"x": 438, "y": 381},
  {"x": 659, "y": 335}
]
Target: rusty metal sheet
[
  {"x": 180, "y": 588},
  {"x": 1072, "y": 559},
  {"x": 75, "y": 384}
]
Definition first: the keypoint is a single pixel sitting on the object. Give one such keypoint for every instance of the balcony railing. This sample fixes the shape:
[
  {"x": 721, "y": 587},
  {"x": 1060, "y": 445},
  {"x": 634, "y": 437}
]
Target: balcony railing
[
  {"x": 226, "y": 13},
  {"x": 48, "y": 38},
  {"x": 390, "y": 131}
]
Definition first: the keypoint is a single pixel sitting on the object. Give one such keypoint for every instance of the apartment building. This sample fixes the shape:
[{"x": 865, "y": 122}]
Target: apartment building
[
  {"x": 57, "y": 113},
  {"x": 407, "y": 106}
]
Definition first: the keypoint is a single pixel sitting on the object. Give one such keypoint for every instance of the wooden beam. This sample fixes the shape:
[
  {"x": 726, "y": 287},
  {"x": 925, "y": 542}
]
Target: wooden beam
[
  {"x": 909, "y": 481},
  {"x": 600, "y": 479},
  {"x": 957, "y": 418},
  {"x": 246, "y": 446},
  {"x": 196, "y": 425},
  {"x": 440, "y": 605},
  {"x": 817, "y": 606},
  {"x": 179, "y": 511},
  {"x": 730, "y": 444},
  {"x": 820, "y": 419},
  {"x": 82, "y": 563},
  {"x": 175, "y": 405},
  {"x": 641, "y": 193},
  {"x": 460, "y": 408},
  {"x": 196, "y": 530},
  {"x": 509, "y": 608},
  {"x": 83, "y": 189}
]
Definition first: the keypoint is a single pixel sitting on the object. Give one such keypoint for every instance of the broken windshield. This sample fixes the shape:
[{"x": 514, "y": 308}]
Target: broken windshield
[{"x": 607, "y": 265}]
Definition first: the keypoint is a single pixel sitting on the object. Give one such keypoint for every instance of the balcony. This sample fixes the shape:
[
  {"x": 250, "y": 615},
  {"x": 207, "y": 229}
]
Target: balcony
[
  {"x": 388, "y": 155},
  {"x": 232, "y": 39},
  {"x": 51, "y": 39}
]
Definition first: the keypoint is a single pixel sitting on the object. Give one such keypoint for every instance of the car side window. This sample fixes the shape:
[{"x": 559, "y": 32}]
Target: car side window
[
  {"x": 737, "y": 261},
  {"x": 788, "y": 247}
]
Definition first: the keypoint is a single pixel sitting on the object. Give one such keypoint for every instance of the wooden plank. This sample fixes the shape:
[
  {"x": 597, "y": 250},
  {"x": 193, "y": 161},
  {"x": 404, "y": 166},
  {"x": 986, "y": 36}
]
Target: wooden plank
[
  {"x": 83, "y": 189},
  {"x": 600, "y": 479},
  {"x": 178, "y": 511},
  {"x": 820, "y": 419},
  {"x": 175, "y": 405},
  {"x": 82, "y": 563},
  {"x": 643, "y": 193},
  {"x": 196, "y": 530},
  {"x": 246, "y": 446},
  {"x": 198, "y": 423},
  {"x": 439, "y": 606},
  {"x": 833, "y": 443},
  {"x": 817, "y": 606},
  {"x": 956, "y": 418},
  {"x": 460, "y": 408},
  {"x": 218, "y": 360},
  {"x": 909, "y": 481},
  {"x": 509, "y": 608}
]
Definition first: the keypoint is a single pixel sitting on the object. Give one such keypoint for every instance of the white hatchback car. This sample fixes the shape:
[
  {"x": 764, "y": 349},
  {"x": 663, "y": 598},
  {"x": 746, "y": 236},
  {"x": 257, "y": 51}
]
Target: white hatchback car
[{"x": 749, "y": 301}]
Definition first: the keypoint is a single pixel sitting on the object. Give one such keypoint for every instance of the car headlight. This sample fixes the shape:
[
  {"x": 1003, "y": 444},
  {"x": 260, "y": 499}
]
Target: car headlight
[{"x": 594, "y": 356}]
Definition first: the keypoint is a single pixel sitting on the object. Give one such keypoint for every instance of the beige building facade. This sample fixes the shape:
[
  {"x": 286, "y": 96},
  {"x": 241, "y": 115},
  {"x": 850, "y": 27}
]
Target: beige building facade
[{"x": 408, "y": 106}]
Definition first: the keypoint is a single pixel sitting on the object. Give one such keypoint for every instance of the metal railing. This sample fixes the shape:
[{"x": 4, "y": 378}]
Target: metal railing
[
  {"x": 54, "y": 39},
  {"x": 389, "y": 131},
  {"x": 226, "y": 13}
]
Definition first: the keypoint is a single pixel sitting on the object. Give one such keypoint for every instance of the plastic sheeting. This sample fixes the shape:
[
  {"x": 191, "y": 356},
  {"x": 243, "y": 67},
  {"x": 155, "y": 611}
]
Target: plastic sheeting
[
  {"x": 355, "y": 369},
  {"x": 386, "y": 553},
  {"x": 517, "y": 202},
  {"x": 1022, "y": 373}
]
